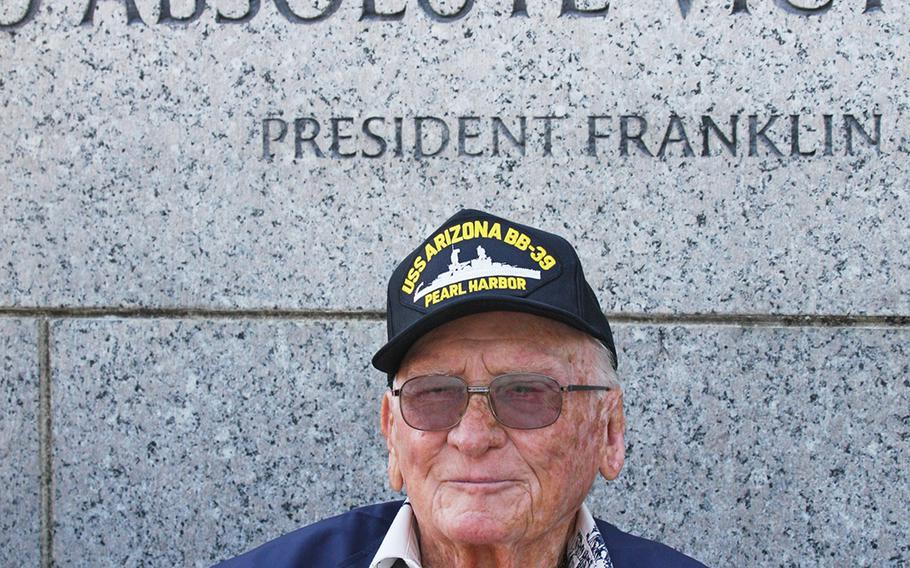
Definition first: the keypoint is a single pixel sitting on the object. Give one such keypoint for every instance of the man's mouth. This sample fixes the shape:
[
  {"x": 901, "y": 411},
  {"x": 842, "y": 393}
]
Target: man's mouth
[{"x": 481, "y": 484}]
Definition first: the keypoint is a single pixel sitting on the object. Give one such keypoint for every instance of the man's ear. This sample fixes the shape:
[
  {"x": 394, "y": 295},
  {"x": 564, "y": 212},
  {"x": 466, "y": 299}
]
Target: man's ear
[
  {"x": 613, "y": 453},
  {"x": 386, "y": 418}
]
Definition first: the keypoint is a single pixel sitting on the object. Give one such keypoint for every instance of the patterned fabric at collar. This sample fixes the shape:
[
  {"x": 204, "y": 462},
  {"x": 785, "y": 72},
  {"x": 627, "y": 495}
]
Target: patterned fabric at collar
[{"x": 586, "y": 549}]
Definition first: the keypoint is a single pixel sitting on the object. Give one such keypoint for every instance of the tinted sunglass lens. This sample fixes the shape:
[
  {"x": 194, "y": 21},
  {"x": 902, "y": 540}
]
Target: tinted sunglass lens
[
  {"x": 526, "y": 401},
  {"x": 433, "y": 402}
]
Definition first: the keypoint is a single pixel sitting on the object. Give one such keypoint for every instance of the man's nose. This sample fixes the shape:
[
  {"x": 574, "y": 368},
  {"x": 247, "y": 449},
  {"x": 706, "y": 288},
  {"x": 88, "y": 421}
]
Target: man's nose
[{"x": 478, "y": 430}]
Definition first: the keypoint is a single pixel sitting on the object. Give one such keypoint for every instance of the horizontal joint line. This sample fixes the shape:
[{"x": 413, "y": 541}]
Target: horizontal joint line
[
  {"x": 187, "y": 313},
  {"x": 732, "y": 319},
  {"x": 766, "y": 320}
]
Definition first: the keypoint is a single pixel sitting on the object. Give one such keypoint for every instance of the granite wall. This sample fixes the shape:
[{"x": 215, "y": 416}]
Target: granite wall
[{"x": 201, "y": 202}]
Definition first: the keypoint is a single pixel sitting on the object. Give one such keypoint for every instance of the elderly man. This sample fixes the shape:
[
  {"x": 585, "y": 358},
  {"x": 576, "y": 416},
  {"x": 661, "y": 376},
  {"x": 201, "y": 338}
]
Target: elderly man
[{"x": 503, "y": 407}]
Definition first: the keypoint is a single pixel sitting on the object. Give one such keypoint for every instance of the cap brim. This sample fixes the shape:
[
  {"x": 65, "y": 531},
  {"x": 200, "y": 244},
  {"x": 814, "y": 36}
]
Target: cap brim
[{"x": 389, "y": 356}]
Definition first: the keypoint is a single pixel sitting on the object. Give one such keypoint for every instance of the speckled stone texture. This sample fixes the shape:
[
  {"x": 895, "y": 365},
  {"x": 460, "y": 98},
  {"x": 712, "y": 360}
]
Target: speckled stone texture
[
  {"x": 20, "y": 474},
  {"x": 767, "y": 447},
  {"x": 184, "y": 442},
  {"x": 181, "y": 442},
  {"x": 135, "y": 175}
]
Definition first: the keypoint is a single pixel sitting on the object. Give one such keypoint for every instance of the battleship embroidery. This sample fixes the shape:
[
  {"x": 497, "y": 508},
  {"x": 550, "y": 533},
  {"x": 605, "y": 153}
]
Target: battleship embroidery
[{"x": 480, "y": 273}]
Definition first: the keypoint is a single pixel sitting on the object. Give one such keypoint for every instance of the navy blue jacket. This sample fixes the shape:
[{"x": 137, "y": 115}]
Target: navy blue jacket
[{"x": 352, "y": 539}]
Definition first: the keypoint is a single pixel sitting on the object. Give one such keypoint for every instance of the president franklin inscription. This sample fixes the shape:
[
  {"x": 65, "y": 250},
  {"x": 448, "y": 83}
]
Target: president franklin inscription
[{"x": 420, "y": 137}]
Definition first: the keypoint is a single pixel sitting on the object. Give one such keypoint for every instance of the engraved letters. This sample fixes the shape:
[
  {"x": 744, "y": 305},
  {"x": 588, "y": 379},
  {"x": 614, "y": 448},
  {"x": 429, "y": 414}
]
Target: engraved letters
[
  {"x": 596, "y": 136},
  {"x": 370, "y": 13}
]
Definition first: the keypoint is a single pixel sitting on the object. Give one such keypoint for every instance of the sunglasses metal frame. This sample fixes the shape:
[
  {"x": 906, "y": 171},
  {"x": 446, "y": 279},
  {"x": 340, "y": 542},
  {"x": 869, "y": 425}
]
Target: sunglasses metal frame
[{"x": 485, "y": 391}]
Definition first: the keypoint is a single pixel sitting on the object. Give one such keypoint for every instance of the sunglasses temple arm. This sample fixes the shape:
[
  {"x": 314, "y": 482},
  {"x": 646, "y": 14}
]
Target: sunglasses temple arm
[{"x": 571, "y": 388}]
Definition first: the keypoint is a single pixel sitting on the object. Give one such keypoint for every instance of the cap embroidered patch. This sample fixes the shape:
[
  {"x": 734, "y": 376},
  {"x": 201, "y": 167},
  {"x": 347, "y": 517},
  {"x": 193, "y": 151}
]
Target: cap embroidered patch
[{"x": 476, "y": 256}]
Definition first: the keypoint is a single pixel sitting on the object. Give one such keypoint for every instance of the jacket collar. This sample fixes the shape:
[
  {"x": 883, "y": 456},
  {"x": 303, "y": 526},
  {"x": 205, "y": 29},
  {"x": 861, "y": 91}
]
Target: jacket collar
[{"x": 362, "y": 558}]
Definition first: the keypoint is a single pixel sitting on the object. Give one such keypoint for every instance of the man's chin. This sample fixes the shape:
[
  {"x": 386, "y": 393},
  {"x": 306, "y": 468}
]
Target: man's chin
[
  {"x": 480, "y": 515},
  {"x": 479, "y": 528}
]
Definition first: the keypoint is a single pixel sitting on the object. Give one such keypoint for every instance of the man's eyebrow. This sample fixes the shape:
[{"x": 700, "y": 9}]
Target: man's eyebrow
[
  {"x": 431, "y": 367},
  {"x": 413, "y": 374}
]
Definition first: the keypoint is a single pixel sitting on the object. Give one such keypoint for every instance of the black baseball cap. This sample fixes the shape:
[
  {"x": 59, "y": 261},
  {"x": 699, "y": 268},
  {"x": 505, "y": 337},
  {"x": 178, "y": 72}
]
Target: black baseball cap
[{"x": 477, "y": 262}]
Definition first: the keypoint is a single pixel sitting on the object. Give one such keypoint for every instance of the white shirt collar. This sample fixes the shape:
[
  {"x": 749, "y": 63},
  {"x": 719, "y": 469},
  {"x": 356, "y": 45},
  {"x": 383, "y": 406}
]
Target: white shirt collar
[
  {"x": 400, "y": 543},
  {"x": 586, "y": 549}
]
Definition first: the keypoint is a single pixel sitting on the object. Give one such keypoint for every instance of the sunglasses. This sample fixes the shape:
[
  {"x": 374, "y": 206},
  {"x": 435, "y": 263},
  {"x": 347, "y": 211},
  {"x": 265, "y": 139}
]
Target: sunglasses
[{"x": 525, "y": 401}]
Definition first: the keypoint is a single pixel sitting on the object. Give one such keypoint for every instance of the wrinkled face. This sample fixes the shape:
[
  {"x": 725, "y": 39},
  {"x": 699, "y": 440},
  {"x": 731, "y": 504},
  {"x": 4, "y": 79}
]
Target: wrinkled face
[{"x": 480, "y": 482}]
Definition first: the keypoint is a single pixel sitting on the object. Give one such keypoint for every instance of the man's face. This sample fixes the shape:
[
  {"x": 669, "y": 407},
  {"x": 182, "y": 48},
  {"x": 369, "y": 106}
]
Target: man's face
[{"x": 480, "y": 482}]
